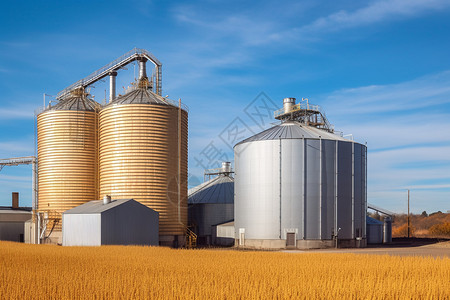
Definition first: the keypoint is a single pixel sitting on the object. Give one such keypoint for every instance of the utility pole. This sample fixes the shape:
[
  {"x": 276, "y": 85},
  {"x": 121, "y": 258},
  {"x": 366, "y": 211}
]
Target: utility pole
[{"x": 409, "y": 231}]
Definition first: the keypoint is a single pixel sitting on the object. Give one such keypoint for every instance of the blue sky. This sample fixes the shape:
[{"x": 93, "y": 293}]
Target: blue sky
[{"x": 380, "y": 69}]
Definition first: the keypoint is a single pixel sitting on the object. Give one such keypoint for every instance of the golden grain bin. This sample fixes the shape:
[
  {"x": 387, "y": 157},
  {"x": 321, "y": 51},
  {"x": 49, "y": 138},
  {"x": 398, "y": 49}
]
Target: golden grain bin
[
  {"x": 67, "y": 156},
  {"x": 143, "y": 155}
]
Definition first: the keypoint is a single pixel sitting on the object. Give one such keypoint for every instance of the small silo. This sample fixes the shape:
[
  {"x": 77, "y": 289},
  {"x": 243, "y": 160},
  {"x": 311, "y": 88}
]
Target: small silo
[
  {"x": 374, "y": 231},
  {"x": 67, "y": 156},
  {"x": 143, "y": 156},
  {"x": 211, "y": 203},
  {"x": 300, "y": 185}
]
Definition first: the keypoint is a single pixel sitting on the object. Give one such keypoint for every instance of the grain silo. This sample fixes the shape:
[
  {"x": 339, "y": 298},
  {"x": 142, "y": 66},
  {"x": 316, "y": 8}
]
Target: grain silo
[
  {"x": 300, "y": 185},
  {"x": 211, "y": 203},
  {"x": 143, "y": 155},
  {"x": 67, "y": 155}
]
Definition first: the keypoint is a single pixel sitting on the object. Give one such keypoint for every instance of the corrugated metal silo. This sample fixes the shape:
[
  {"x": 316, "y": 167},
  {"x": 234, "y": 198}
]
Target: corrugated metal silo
[
  {"x": 143, "y": 155},
  {"x": 67, "y": 154},
  {"x": 211, "y": 203},
  {"x": 298, "y": 185}
]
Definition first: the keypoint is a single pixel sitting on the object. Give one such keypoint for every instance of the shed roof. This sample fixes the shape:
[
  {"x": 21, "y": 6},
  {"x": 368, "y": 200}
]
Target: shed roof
[
  {"x": 96, "y": 206},
  {"x": 372, "y": 221},
  {"x": 293, "y": 130},
  {"x": 220, "y": 189}
]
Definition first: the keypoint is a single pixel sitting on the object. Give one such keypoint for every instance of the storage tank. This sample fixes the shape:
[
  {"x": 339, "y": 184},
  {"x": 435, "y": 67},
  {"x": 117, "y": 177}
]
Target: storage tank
[
  {"x": 67, "y": 156},
  {"x": 211, "y": 203},
  {"x": 300, "y": 186},
  {"x": 374, "y": 231},
  {"x": 143, "y": 155},
  {"x": 387, "y": 230}
]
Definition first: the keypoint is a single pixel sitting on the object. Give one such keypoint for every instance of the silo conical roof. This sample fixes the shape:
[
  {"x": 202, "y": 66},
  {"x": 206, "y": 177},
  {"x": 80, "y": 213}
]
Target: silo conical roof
[
  {"x": 217, "y": 190},
  {"x": 141, "y": 96},
  {"x": 292, "y": 130},
  {"x": 77, "y": 101}
]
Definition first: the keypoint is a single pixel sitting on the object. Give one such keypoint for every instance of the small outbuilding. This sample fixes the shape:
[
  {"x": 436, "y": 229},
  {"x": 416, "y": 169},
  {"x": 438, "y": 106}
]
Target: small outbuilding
[
  {"x": 374, "y": 231},
  {"x": 12, "y": 220},
  {"x": 110, "y": 222}
]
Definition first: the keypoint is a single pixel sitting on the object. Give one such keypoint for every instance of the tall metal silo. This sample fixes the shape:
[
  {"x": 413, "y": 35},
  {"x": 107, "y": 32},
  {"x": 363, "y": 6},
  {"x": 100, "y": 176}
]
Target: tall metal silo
[
  {"x": 300, "y": 185},
  {"x": 211, "y": 203},
  {"x": 67, "y": 156},
  {"x": 143, "y": 152}
]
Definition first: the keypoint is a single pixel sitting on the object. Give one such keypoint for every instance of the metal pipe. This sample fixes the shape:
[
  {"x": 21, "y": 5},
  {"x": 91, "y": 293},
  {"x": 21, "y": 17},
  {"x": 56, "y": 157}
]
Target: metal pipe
[
  {"x": 142, "y": 68},
  {"x": 112, "y": 86},
  {"x": 34, "y": 184},
  {"x": 106, "y": 199},
  {"x": 288, "y": 103}
]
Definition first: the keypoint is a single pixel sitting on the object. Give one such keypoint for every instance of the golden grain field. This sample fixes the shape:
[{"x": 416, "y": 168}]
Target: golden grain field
[{"x": 128, "y": 272}]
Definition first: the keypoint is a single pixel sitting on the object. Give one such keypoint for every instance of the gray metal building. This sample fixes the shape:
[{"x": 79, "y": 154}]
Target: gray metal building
[
  {"x": 12, "y": 220},
  {"x": 106, "y": 222},
  {"x": 300, "y": 185},
  {"x": 211, "y": 203}
]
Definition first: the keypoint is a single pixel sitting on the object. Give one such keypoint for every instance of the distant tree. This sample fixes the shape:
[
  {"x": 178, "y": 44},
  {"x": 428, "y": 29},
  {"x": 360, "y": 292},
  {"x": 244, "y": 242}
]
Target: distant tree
[
  {"x": 435, "y": 213},
  {"x": 424, "y": 213},
  {"x": 402, "y": 231}
]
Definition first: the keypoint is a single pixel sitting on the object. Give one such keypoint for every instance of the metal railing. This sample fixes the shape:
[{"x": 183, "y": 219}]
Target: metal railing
[{"x": 306, "y": 106}]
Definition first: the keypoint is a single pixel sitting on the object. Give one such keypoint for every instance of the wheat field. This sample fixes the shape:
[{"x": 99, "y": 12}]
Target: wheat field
[{"x": 132, "y": 272}]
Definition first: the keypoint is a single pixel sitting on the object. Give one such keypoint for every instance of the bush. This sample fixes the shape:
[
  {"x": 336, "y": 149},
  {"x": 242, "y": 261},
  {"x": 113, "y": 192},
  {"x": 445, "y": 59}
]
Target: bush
[
  {"x": 402, "y": 230},
  {"x": 440, "y": 229}
]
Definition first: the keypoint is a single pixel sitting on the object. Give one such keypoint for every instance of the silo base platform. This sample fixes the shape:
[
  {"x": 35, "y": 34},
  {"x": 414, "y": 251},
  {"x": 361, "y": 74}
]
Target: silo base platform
[
  {"x": 300, "y": 244},
  {"x": 173, "y": 241}
]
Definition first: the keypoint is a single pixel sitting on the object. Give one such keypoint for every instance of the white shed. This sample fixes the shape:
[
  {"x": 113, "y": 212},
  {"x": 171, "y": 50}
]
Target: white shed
[{"x": 118, "y": 222}]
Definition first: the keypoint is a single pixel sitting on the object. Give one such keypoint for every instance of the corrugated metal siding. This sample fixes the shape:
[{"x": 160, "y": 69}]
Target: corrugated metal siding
[
  {"x": 312, "y": 179},
  {"x": 328, "y": 187},
  {"x": 139, "y": 159},
  {"x": 67, "y": 155},
  {"x": 344, "y": 202},
  {"x": 81, "y": 230},
  {"x": 130, "y": 224},
  {"x": 291, "y": 185},
  {"x": 257, "y": 183},
  {"x": 205, "y": 215}
]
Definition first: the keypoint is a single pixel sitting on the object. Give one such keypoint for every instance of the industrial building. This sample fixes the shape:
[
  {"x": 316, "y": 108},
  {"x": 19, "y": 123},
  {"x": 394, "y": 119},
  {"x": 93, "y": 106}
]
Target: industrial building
[
  {"x": 134, "y": 147},
  {"x": 12, "y": 220},
  {"x": 110, "y": 222},
  {"x": 211, "y": 203},
  {"x": 300, "y": 185}
]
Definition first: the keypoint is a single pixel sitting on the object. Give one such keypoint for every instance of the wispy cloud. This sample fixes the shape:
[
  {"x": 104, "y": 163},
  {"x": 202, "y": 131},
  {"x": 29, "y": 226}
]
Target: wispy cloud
[
  {"x": 421, "y": 93},
  {"x": 19, "y": 112},
  {"x": 17, "y": 148},
  {"x": 376, "y": 12}
]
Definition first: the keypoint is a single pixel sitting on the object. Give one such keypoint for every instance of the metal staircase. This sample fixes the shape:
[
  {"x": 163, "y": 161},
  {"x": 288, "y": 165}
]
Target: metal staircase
[{"x": 191, "y": 239}]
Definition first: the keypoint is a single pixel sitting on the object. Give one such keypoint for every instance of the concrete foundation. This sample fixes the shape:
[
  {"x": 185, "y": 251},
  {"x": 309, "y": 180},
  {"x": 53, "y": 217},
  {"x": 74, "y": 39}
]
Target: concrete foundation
[
  {"x": 300, "y": 244},
  {"x": 54, "y": 238},
  {"x": 173, "y": 241}
]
